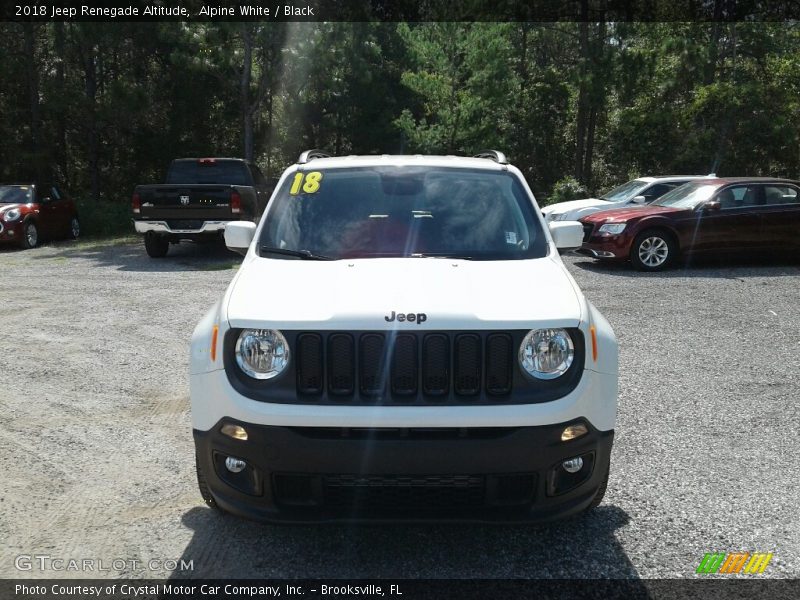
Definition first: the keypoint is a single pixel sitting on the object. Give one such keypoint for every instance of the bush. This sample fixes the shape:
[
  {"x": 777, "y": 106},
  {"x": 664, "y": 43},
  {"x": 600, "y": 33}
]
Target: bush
[
  {"x": 565, "y": 189},
  {"x": 104, "y": 219}
]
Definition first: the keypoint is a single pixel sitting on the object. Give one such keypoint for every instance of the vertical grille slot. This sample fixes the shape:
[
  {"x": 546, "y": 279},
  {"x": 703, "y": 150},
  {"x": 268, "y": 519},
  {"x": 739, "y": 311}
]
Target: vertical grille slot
[
  {"x": 371, "y": 363},
  {"x": 467, "y": 365},
  {"x": 404, "y": 365},
  {"x": 499, "y": 357},
  {"x": 309, "y": 364},
  {"x": 341, "y": 364},
  {"x": 436, "y": 365}
]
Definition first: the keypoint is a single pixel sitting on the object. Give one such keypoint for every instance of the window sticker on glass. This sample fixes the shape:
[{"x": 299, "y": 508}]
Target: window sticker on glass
[
  {"x": 511, "y": 237},
  {"x": 306, "y": 183}
]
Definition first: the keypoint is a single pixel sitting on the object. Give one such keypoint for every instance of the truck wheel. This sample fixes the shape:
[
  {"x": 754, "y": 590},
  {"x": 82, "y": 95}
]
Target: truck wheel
[
  {"x": 157, "y": 246},
  {"x": 201, "y": 483},
  {"x": 30, "y": 235},
  {"x": 653, "y": 250}
]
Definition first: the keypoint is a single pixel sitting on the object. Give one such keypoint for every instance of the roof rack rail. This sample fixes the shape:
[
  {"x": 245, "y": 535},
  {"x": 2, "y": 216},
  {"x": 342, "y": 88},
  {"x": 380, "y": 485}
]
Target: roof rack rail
[
  {"x": 494, "y": 155},
  {"x": 311, "y": 155}
]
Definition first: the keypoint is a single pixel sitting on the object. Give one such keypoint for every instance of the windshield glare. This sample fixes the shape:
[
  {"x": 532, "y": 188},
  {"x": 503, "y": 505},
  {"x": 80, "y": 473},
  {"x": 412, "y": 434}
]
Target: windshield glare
[
  {"x": 626, "y": 191},
  {"x": 689, "y": 195},
  {"x": 15, "y": 194},
  {"x": 404, "y": 211}
]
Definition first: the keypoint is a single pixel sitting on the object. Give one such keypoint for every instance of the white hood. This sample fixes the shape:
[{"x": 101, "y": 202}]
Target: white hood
[
  {"x": 575, "y": 209},
  {"x": 359, "y": 294}
]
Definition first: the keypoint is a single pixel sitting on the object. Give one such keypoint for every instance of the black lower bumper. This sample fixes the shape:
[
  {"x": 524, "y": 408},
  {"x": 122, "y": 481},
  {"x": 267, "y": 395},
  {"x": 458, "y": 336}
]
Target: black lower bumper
[{"x": 312, "y": 474}]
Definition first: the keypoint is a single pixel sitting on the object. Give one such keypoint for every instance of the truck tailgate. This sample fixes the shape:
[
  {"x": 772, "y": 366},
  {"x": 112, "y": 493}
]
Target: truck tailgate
[{"x": 193, "y": 201}]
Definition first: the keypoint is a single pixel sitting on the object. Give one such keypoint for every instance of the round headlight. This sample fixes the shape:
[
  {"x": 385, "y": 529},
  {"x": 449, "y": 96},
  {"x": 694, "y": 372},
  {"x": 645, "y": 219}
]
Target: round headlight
[
  {"x": 546, "y": 353},
  {"x": 262, "y": 353},
  {"x": 11, "y": 215}
]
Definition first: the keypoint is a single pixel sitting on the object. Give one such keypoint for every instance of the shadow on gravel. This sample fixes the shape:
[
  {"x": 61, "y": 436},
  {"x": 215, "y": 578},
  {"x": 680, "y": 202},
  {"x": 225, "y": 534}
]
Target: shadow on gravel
[
  {"x": 224, "y": 546},
  {"x": 209, "y": 256},
  {"x": 700, "y": 267}
]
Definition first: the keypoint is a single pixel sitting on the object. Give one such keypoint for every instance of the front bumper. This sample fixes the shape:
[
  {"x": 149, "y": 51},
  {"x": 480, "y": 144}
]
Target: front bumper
[
  {"x": 612, "y": 247},
  {"x": 311, "y": 474},
  {"x": 208, "y": 227},
  {"x": 11, "y": 232}
]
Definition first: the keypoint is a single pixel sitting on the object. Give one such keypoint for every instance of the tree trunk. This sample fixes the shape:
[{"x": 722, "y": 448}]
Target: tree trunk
[
  {"x": 583, "y": 95},
  {"x": 248, "y": 123},
  {"x": 90, "y": 72},
  {"x": 33, "y": 96},
  {"x": 60, "y": 117}
]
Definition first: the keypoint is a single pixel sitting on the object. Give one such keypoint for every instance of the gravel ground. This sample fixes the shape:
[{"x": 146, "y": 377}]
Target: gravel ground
[{"x": 97, "y": 457}]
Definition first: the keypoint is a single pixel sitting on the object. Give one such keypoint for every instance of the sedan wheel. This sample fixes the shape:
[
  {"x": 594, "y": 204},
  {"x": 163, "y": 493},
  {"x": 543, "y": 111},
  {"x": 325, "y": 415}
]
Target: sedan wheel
[
  {"x": 653, "y": 251},
  {"x": 74, "y": 228},
  {"x": 30, "y": 235}
]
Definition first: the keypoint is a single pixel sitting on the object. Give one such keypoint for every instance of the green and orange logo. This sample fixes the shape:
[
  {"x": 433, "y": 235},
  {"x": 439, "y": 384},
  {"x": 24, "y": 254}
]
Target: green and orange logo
[{"x": 734, "y": 562}]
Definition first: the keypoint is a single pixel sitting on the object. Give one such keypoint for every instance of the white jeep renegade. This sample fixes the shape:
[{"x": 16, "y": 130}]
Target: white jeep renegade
[{"x": 402, "y": 340}]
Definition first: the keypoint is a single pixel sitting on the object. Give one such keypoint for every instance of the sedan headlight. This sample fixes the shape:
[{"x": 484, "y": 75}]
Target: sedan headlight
[
  {"x": 546, "y": 353},
  {"x": 612, "y": 228},
  {"x": 11, "y": 215},
  {"x": 262, "y": 353}
]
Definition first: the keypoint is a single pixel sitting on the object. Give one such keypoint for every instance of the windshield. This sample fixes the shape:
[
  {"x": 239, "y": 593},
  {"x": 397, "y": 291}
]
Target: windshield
[
  {"x": 689, "y": 195},
  {"x": 15, "y": 194},
  {"x": 403, "y": 211},
  {"x": 624, "y": 192},
  {"x": 228, "y": 172}
]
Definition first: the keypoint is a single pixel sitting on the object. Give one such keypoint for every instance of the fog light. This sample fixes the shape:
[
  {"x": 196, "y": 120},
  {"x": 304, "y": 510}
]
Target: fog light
[
  {"x": 237, "y": 432},
  {"x": 237, "y": 465},
  {"x": 573, "y": 465},
  {"x": 574, "y": 431}
]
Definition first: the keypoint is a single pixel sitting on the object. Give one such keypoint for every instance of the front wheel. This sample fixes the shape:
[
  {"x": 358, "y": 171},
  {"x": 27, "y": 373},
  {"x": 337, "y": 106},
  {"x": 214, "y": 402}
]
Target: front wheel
[
  {"x": 156, "y": 246},
  {"x": 30, "y": 235},
  {"x": 74, "y": 228},
  {"x": 653, "y": 250}
]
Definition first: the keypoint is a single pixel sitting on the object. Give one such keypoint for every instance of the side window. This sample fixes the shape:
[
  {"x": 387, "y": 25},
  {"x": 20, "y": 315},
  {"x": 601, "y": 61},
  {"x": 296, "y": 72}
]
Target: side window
[
  {"x": 740, "y": 196},
  {"x": 780, "y": 194},
  {"x": 654, "y": 192},
  {"x": 44, "y": 193},
  {"x": 54, "y": 193}
]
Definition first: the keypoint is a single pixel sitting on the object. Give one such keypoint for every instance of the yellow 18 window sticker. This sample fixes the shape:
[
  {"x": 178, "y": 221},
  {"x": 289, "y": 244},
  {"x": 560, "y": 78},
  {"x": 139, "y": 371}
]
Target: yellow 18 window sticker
[{"x": 309, "y": 184}]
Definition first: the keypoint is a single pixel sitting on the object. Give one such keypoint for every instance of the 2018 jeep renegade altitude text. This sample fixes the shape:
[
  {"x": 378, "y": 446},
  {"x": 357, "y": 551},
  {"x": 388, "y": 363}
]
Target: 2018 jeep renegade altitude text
[{"x": 402, "y": 340}]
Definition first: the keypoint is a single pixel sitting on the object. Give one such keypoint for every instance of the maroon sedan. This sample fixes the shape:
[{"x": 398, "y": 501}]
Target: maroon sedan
[
  {"x": 30, "y": 212},
  {"x": 724, "y": 215}
]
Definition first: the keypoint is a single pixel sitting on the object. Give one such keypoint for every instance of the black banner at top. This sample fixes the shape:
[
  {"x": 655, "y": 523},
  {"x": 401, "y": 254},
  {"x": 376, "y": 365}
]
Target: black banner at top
[{"x": 398, "y": 10}]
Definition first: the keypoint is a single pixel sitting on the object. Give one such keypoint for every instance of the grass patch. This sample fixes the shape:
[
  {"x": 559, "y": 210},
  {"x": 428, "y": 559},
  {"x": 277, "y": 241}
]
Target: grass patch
[
  {"x": 118, "y": 240},
  {"x": 104, "y": 219}
]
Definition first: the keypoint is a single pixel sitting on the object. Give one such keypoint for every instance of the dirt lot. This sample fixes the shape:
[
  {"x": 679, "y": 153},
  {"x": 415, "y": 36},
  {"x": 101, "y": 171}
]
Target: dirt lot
[{"x": 97, "y": 457}]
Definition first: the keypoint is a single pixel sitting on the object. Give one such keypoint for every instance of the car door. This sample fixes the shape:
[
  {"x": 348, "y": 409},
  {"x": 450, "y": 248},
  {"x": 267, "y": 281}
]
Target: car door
[
  {"x": 780, "y": 216},
  {"x": 49, "y": 221},
  {"x": 733, "y": 227}
]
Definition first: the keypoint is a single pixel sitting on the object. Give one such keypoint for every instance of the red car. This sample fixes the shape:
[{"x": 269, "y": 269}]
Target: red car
[
  {"x": 747, "y": 215},
  {"x": 30, "y": 212}
]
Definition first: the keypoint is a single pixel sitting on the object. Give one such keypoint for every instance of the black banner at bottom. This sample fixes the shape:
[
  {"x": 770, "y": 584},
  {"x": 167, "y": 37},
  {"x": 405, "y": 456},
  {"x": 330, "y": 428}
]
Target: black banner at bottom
[{"x": 396, "y": 589}]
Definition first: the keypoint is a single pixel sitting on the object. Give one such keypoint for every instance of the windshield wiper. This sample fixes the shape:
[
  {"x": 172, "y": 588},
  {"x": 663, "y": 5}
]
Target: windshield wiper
[
  {"x": 304, "y": 254},
  {"x": 456, "y": 256}
]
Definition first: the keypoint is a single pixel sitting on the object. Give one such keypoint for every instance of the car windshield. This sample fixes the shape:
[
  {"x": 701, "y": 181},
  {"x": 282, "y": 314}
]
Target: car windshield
[
  {"x": 15, "y": 194},
  {"x": 689, "y": 195},
  {"x": 384, "y": 211},
  {"x": 624, "y": 192}
]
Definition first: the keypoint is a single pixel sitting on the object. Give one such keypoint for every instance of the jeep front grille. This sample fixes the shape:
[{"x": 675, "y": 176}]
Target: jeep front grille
[{"x": 412, "y": 368}]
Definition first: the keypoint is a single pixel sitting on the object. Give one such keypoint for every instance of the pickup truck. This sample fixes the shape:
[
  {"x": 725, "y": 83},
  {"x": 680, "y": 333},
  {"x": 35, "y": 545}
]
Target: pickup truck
[{"x": 199, "y": 197}]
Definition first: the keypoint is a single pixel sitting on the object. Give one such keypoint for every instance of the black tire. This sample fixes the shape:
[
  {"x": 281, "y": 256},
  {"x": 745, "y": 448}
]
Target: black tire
[
  {"x": 203, "y": 485},
  {"x": 74, "y": 228},
  {"x": 157, "y": 246},
  {"x": 654, "y": 250},
  {"x": 30, "y": 235}
]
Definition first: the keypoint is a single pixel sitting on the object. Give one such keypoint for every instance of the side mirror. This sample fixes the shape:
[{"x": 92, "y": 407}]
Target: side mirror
[
  {"x": 712, "y": 206},
  {"x": 639, "y": 200},
  {"x": 567, "y": 235},
  {"x": 239, "y": 235}
]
